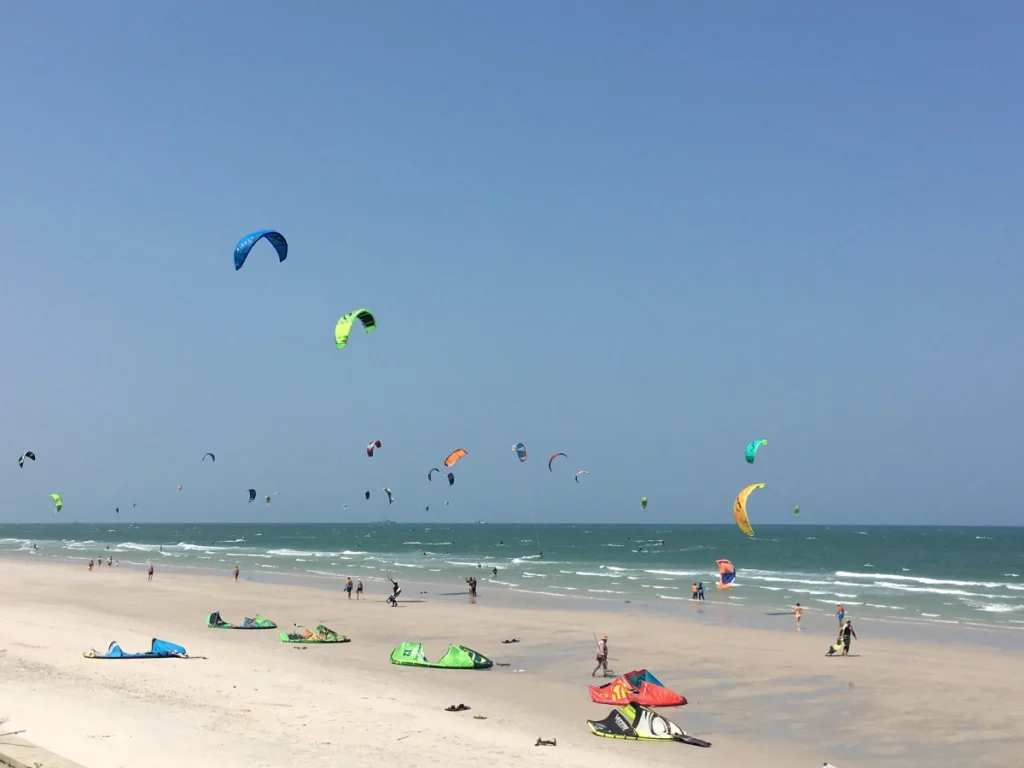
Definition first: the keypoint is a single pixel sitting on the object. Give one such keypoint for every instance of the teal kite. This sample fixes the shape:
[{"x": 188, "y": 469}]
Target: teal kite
[{"x": 752, "y": 449}]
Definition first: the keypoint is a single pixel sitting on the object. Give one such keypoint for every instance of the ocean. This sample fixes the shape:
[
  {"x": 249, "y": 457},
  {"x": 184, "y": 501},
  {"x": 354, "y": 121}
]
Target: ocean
[{"x": 970, "y": 576}]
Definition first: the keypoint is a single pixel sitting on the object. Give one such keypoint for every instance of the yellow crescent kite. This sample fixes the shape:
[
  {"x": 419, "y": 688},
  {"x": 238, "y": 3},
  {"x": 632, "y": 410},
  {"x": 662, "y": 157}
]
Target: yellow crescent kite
[{"x": 739, "y": 508}]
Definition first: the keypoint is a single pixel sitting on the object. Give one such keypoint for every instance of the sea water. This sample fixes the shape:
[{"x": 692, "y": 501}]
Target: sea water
[{"x": 922, "y": 574}]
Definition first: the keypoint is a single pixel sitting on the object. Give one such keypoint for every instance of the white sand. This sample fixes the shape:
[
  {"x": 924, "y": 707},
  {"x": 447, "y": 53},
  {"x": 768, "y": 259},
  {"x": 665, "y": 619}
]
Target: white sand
[{"x": 765, "y": 698}]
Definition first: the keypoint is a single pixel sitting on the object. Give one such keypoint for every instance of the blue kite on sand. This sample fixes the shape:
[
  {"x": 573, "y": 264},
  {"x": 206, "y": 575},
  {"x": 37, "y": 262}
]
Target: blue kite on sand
[{"x": 161, "y": 649}]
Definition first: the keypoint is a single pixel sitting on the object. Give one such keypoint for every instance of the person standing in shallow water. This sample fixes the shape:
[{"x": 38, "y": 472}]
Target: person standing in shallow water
[
  {"x": 700, "y": 591},
  {"x": 601, "y": 656}
]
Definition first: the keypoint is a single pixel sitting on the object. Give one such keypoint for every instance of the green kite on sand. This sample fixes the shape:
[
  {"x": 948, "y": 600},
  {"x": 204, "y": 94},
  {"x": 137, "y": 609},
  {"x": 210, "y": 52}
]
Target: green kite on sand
[
  {"x": 214, "y": 621},
  {"x": 320, "y": 635},
  {"x": 458, "y": 657}
]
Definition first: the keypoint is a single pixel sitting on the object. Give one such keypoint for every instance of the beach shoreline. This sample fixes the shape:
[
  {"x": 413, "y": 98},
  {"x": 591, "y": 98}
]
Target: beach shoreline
[{"x": 753, "y": 693}]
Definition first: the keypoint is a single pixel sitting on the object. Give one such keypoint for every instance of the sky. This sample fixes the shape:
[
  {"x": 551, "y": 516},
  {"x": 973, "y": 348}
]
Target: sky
[{"x": 641, "y": 234}]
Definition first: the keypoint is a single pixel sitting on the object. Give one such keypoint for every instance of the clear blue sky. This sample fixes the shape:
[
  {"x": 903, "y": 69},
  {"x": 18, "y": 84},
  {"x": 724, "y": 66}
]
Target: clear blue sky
[{"x": 639, "y": 233}]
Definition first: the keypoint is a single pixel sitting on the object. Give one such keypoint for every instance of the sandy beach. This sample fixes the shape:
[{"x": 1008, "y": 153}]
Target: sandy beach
[{"x": 765, "y": 697}]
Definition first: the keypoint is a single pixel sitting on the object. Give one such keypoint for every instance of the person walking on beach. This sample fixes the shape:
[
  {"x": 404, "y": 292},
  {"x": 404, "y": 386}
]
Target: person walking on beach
[
  {"x": 348, "y": 586},
  {"x": 798, "y": 612},
  {"x": 840, "y": 614},
  {"x": 359, "y": 588},
  {"x": 150, "y": 573},
  {"x": 846, "y": 633},
  {"x": 236, "y": 573},
  {"x": 90, "y": 565},
  {"x": 601, "y": 656},
  {"x": 693, "y": 595},
  {"x": 700, "y": 591}
]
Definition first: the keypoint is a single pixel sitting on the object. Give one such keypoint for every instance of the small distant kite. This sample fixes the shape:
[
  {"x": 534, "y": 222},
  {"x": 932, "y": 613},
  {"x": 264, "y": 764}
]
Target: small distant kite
[
  {"x": 252, "y": 495},
  {"x": 370, "y": 446},
  {"x": 739, "y": 508},
  {"x": 752, "y": 449},
  {"x": 117, "y": 510},
  {"x": 430, "y": 474},
  {"x": 726, "y": 573},
  {"x": 344, "y": 326},
  {"x": 643, "y": 502},
  {"x": 796, "y": 510},
  {"x": 454, "y": 456},
  {"x": 272, "y": 236},
  {"x": 58, "y": 502},
  {"x": 179, "y": 487},
  {"x": 520, "y": 450},
  {"x": 25, "y": 455},
  {"x": 367, "y": 495},
  {"x": 451, "y": 479},
  {"x": 210, "y": 455},
  {"x": 388, "y": 492},
  {"x": 581, "y": 472},
  {"x": 268, "y": 501},
  {"x": 552, "y": 458}
]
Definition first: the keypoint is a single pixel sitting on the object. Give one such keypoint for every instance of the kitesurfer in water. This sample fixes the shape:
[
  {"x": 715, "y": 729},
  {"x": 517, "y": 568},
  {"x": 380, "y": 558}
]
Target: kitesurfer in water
[{"x": 601, "y": 656}]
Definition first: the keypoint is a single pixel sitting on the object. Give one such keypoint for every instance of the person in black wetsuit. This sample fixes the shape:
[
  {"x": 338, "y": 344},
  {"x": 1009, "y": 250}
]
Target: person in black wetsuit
[
  {"x": 394, "y": 592},
  {"x": 846, "y": 634}
]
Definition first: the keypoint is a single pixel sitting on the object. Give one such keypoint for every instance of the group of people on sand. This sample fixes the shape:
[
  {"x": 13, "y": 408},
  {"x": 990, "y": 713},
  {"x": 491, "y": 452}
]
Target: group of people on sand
[
  {"x": 846, "y": 633},
  {"x": 358, "y": 587},
  {"x": 111, "y": 562}
]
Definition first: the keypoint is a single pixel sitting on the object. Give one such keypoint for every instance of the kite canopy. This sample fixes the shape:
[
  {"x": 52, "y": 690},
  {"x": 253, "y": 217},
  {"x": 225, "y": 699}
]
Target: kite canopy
[
  {"x": 58, "y": 502},
  {"x": 214, "y": 621},
  {"x": 454, "y": 456},
  {"x": 581, "y": 472},
  {"x": 796, "y": 510},
  {"x": 370, "y": 446},
  {"x": 638, "y": 686},
  {"x": 245, "y": 245},
  {"x": 457, "y": 657},
  {"x": 268, "y": 501},
  {"x": 451, "y": 479},
  {"x": 320, "y": 635},
  {"x": 367, "y": 495},
  {"x": 431, "y": 473},
  {"x": 727, "y": 573},
  {"x": 210, "y": 455},
  {"x": 252, "y": 495},
  {"x": 388, "y": 492},
  {"x": 520, "y": 450},
  {"x": 552, "y": 458},
  {"x": 643, "y": 502},
  {"x": 25, "y": 455},
  {"x": 344, "y": 326},
  {"x": 739, "y": 508},
  {"x": 752, "y": 449},
  {"x": 638, "y": 723},
  {"x": 159, "y": 649}
]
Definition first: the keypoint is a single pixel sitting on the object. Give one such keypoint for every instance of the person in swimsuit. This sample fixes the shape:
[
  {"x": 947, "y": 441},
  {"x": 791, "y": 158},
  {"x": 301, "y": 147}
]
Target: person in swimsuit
[
  {"x": 840, "y": 614},
  {"x": 348, "y": 586},
  {"x": 150, "y": 573},
  {"x": 236, "y": 573},
  {"x": 798, "y": 612},
  {"x": 359, "y": 588},
  {"x": 601, "y": 656}
]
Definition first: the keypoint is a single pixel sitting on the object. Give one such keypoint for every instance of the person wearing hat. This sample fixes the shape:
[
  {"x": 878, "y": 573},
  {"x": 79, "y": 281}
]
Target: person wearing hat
[
  {"x": 845, "y": 633},
  {"x": 602, "y": 655}
]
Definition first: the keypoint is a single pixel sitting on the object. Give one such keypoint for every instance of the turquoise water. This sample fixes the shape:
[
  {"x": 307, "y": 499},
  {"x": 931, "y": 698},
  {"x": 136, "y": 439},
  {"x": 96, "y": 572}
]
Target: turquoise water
[{"x": 936, "y": 575}]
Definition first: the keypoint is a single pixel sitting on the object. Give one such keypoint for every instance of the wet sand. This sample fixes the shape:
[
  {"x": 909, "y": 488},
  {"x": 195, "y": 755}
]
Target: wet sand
[{"x": 766, "y": 697}]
